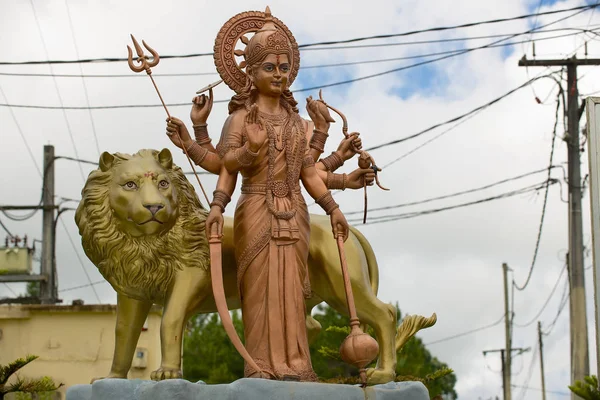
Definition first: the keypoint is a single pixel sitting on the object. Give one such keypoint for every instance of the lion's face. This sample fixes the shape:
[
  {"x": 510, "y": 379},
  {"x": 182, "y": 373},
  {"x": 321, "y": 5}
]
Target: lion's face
[
  {"x": 141, "y": 222},
  {"x": 142, "y": 197}
]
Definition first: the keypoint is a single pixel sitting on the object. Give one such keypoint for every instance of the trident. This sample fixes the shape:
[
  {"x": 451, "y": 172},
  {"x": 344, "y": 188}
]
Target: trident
[{"x": 146, "y": 65}]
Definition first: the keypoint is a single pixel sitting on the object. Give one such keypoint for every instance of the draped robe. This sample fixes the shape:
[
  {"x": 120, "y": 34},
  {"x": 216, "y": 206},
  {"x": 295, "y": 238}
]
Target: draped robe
[{"x": 272, "y": 259}]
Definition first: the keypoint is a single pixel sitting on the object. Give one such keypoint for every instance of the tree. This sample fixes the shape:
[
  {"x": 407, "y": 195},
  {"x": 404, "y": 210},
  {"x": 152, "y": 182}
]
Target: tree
[
  {"x": 33, "y": 289},
  {"x": 414, "y": 361},
  {"x": 44, "y": 384},
  {"x": 209, "y": 355},
  {"x": 588, "y": 389}
]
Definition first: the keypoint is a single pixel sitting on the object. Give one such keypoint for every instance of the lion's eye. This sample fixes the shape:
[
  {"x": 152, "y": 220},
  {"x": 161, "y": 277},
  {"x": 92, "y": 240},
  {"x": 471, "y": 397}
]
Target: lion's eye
[
  {"x": 130, "y": 185},
  {"x": 163, "y": 184}
]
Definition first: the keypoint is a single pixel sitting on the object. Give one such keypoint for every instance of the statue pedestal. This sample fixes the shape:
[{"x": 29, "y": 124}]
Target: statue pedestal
[{"x": 123, "y": 389}]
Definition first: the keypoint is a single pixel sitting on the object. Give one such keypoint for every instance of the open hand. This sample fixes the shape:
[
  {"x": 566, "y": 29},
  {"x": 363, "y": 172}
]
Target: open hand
[{"x": 257, "y": 134}]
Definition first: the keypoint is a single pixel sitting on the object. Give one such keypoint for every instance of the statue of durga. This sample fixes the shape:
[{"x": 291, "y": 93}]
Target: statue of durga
[{"x": 266, "y": 142}]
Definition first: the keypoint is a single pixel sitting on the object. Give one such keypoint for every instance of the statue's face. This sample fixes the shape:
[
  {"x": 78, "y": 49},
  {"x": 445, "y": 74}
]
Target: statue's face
[{"x": 271, "y": 76}]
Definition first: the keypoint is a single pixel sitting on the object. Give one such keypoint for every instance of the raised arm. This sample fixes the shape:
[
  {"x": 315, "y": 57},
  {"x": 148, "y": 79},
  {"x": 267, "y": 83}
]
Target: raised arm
[
  {"x": 237, "y": 154},
  {"x": 201, "y": 108}
]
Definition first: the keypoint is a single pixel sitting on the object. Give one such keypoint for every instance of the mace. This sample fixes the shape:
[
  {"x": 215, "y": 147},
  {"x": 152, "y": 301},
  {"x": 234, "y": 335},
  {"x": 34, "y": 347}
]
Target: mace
[{"x": 359, "y": 348}]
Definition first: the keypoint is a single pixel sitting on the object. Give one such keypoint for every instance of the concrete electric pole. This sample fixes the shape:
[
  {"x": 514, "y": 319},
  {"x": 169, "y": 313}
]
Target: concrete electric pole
[{"x": 580, "y": 364}]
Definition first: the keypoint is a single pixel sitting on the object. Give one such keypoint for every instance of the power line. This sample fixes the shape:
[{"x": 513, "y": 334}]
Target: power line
[
  {"x": 9, "y": 288},
  {"x": 534, "y": 319},
  {"x": 349, "y": 63},
  {"x": 6, "y": 229},
  {"x": 467, "y": 332},
  {"x": 33, "y": 212},
  {"x": 460, "y": 122},
  {"x": 530, "y": 372},
  {"x": 85, "y": 90},
  {"x": 77, "y": 160},
  {"x": 79, "y": 258},
  {"x": 21, "y": 134},
  {"x": 433, "y": 60},
  {"x": 541, "y": 226},
  {"x": 592, "y": 14},
  {"x": 447, "y": 40},
  {"x": 539, "y": 390},
  {"x": 563, "y": 303},
  {"x": 439, "y": 135},
  {"x": 310, "y": 46},
  {"x": 445, "y": 28},
  {"x": 95, "y": 163},
  {"x": 37, "y": 21},
  {"x": 413, "y": 203},
  {"x": 457, "y": 118},
  {"x": 450, "y": 54},
  {"x": 396, "y": 217},
  {"x": 83, "y": 286}
]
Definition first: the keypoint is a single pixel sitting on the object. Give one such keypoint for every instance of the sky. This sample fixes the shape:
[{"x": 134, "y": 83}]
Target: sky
[{"x": 449, "y": 262}]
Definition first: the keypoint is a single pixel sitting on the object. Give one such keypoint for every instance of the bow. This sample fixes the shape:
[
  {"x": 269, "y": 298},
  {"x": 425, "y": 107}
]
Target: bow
[
  {"x": 216, "y": 272},
  {"x": 365, "y": 160}
]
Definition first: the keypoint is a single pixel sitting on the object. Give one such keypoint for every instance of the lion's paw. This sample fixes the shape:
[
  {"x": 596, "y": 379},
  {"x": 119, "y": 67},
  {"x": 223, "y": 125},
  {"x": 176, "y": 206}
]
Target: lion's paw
[
  {"x": 166, "y": 373},
  {"x": 109, "y": 376},
  {"x": 377, "y": 376}
]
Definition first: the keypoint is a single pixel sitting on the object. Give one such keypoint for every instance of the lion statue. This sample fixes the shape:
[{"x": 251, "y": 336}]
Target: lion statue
[{"x": 142, "y": 225}]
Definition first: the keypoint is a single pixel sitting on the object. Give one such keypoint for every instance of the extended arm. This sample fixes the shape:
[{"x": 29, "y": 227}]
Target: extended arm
[
  {"x": 201, "y": 156},
  {"x": 318, "y": 191}
]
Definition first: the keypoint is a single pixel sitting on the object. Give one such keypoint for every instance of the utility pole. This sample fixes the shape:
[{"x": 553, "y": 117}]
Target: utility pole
[
  {"x": 505, "y": 370},
  {"x": 506, "y": 364},
  {"x": 542, "y": 360},
  {"x": 48, "y": 286},
  {"x": 580, "y": 364},
  {"x": 506, "y": 353}
]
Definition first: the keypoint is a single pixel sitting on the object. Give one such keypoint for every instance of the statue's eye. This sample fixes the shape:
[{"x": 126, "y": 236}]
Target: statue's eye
[
  {"x": 163, "y": 184},
  {"x": 268, "y": 67},
  {"x": 284, "y": 68},
  {"x": 131, "y": 185}
]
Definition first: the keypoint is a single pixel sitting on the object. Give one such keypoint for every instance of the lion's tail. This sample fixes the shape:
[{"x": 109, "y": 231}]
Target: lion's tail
[{"x": 372, "y": 267}]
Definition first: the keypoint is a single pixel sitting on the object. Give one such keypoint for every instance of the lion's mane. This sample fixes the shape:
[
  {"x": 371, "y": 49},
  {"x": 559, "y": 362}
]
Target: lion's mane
[{"x": 145, "y": 264}]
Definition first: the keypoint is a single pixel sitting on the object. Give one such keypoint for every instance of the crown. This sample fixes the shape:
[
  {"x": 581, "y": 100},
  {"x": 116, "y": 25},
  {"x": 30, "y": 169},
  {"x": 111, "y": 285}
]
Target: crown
[{"x": 267, "y": 40}]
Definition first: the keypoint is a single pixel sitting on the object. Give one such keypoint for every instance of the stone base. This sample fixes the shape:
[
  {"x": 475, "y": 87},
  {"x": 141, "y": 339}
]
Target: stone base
[{"x": 123, "y": 389}]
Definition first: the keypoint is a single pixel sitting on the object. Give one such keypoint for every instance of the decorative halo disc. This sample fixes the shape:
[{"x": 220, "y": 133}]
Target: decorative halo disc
[{"x": 225, "y": 53}]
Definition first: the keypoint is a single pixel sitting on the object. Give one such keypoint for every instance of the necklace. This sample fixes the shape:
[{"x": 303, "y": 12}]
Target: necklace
[
  {"x": 294, "y": 143},
  {"x": 270, "y": 121}
]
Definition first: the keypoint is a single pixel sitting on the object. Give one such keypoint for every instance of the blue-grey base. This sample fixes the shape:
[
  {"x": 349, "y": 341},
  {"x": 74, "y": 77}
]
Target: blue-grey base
[{"x": 123, "y": 389}]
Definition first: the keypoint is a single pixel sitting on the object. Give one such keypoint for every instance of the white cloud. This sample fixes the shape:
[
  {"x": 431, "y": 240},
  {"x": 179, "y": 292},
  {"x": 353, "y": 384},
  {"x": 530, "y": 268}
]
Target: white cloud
[{"x": 450, "y": 262}]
